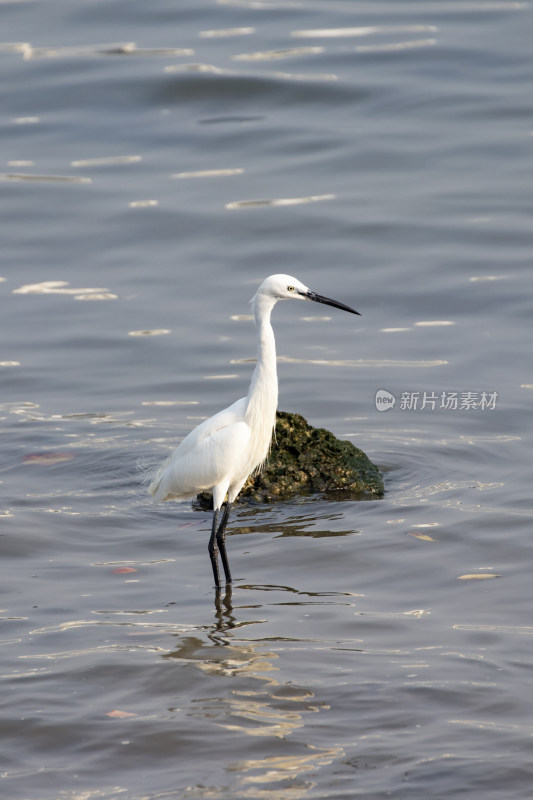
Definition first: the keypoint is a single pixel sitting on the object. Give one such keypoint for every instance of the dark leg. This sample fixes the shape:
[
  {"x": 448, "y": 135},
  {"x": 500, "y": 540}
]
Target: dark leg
[
  {"x": 221, "y": 542},
  {"x": 213, "y": 549}
]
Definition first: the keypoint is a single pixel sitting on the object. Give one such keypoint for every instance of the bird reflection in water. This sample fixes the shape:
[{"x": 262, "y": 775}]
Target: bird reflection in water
[{"x": 225, "y": 619}]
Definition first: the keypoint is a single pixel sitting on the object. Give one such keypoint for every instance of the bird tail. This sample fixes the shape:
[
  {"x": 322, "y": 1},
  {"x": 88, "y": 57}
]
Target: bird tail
[
  {"x": 159, "y": 486},
  {"x": 156, "y": 479}
]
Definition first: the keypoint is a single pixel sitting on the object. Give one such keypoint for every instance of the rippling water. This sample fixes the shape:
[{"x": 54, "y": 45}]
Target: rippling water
[{"x": 159, "y": 160}]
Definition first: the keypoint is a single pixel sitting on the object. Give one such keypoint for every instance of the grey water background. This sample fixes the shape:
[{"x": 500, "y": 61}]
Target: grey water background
[{"x": 158, "y": 161}]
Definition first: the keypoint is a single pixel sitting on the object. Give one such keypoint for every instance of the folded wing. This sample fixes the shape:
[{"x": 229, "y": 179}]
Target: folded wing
[{"x": 216, "y": 453}]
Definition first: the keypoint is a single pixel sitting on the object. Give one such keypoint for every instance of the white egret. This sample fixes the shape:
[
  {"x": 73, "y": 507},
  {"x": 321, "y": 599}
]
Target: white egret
[{"x": 225, "y": 449}]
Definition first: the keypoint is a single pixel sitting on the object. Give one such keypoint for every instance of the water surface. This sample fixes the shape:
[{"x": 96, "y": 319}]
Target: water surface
[{"x": 159, "y": 160}]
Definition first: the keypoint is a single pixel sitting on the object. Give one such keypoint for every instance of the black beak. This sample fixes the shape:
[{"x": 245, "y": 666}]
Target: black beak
[{"x": 318, "y": 298}]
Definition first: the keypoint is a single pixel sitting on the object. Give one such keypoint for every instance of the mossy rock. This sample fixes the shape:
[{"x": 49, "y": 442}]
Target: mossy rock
[{"x": 304, "y": 459}]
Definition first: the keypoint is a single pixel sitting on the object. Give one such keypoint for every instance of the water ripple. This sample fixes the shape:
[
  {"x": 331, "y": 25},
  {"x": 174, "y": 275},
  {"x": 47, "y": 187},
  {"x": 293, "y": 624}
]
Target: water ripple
[
  {"x": 362, "y": 31},
  {"x": 279, "y": 201},
  {"x": 115, "y": 49},
  {"x": 63, "y": 287},
  {"x": 223, "y": 33},
  {"x": 106, "y": 161},
  {"x": 273, "y": 55},
  {"x": 209, "y": 173},
  {"x": 23, "y": 176}
]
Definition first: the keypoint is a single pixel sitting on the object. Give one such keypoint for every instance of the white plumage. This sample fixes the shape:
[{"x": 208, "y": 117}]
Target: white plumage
[
  {"x": 201, "y": 461},
  {"x": 225, "y": 449}
]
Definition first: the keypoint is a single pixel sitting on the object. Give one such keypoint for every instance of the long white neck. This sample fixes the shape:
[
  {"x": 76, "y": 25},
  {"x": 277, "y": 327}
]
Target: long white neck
[{"x": 262, "y": 399}]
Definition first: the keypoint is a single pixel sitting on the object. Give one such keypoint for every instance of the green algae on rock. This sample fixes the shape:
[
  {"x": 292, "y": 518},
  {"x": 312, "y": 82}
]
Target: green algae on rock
[{"x": 304, "y": 459}]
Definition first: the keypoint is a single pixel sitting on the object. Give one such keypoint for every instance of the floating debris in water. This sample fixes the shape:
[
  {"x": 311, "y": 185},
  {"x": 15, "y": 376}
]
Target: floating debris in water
[
  {"x": 47, "y": 459},
  {"x": 423, "y": 536},
  {"x": 117, "y": 714}
]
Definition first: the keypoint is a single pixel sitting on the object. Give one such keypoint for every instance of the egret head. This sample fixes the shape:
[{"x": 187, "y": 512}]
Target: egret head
[{"x": 285, "y": 287}]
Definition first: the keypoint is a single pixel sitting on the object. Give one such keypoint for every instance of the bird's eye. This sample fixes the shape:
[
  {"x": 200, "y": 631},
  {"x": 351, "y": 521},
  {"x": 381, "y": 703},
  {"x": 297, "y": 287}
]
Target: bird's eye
[{"x": 290, "y": 288}]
